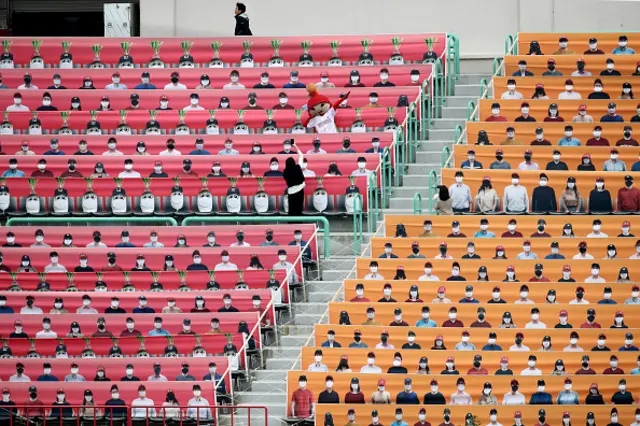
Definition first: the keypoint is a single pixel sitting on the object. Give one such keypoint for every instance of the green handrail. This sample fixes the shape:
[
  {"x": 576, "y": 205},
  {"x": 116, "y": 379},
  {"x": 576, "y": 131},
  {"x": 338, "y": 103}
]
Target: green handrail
[
  {"x": 446, "y": 152},
  {"x": 386, "y": 178},
  {"x": 457, "y": 133},
  {"x": 471, "y": 106},
  {"x": 453, "y": 43},
  {"x": 417, "y": 203},
  {"x": 484, "y": 85},
  {"x": 399, "y": 156},
  {"x": 357, "y": 225},
  {"x": 427, "y": 105},
  {"x": 16, "y": 221},
  {"x": 374, "y": 209},
  {"x": 507, "y": 44},
  {"x": 412, "y": 134},
  {"x": 325, "y": 230},
  {"x": 432, "y": 183},
  {"x": 496, "y": 65}
]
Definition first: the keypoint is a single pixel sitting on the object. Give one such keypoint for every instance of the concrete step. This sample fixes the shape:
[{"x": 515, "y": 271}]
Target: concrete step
[
  {"x": 467, "y": 89},
  {"x": 293, "y": 340},
  {"x": 476, "y": 66},
  {"x": 321, "y": 296},
  {"x": 280, "y": 363},
  {"x": 432, "y": 157},
  {"x": 276, "y": 404},
  {"x": 410, "y": 191},
  {"x": 442, "y": 134},
  {"x": 418, "y": 180},
  {"x": 336, "y": 275},
  {"x": 272, "y": 386},
  {"x": 310, "y": 319},
  {"x": 455, "y": 112},
  {"x": 296, "y": 330},
  {"x": 402, "y": 203},
  {"x": 435, "y": 141},
  {"x": 309, "y": 309},
  {"x": 269, "y": 374},
  {"x": 424, "y": 168},
  {"x": 283, "y": 351},
  {"x": 405, "y": 211},
  {"x": 448, "y": 124},
  {"x": 461, "y": 100},
  {"x": 340, "y": 262},
  {"x": 427, "y": 146},
  {"x": 240, "y": 418},
  {"x": 326, "y": 285},
  {"x": 472, "y": 78}
]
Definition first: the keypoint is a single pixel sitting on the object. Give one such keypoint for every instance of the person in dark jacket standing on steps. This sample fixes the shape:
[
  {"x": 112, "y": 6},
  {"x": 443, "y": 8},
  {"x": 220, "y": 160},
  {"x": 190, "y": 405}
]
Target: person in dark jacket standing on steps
[{"x": 242, "y": 21}]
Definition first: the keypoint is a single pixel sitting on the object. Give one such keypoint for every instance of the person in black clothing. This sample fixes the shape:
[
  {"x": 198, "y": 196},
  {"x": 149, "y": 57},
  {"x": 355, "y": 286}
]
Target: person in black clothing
[
  {"x": 294, "y": 179},
  {"x": 115, "y": 401},
  {"x": 455, "y": 273},
  {"x": 129, "y": 377},
  {"x": 544, "y": 197},
  {"x": 434, "y": 397},
  {"x": 397, "y": 367},
  {"x": 594, "y": 397},
  {"x": 600, "y": 198},
  {"x": 18, "y": 333},
  {"x": 157, "y": 171},
  {"x": 226, "y": 299},
  {"x": 197, "y": 264},
  {"x": 329, "y": 396},
  {"x": 504, "y": 368},
  {"x": 524, "y": 109},
  {"x": 83, "y": 267},
  {"x": 6, "y": 413},
  {"x": 242, "y": 21},
  {"x": 61, "y": 401},
  {"x": 556, "y": 164},
  {"x": 598, "y": 91},
  {"x": 622, "y": 396},
  {"x": 114, "y": 308}
]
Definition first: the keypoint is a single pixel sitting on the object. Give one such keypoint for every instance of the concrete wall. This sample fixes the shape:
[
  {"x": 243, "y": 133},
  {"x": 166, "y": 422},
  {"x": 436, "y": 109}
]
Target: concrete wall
[{"x": 481, "y": 24}]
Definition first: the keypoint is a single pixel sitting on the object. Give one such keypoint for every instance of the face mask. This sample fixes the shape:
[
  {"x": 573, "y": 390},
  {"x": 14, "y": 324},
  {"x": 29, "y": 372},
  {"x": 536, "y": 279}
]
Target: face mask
[
  {"x": 455, "y": 272},
  {"x": 511, "y": 87},
  {"x": 461, "y": 388}
]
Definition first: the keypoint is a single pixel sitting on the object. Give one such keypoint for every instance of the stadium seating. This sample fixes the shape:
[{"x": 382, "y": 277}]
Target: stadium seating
[
  {"x": 412, "y": 47},
  {"x": 566, "y": 64},
  {"x": 505, "y": 337},
  {"x": 413, "y": 268},
  {"x": 455, "y": 291},
  {"x": 577, "y": 42},
  {"x": 553, "y": 132},
  {"x": 127, "y": 144},
  {"x": 469, "y": 225},
  {"x": 566, "y": 108},
  {"x": 553, "y": 86}
]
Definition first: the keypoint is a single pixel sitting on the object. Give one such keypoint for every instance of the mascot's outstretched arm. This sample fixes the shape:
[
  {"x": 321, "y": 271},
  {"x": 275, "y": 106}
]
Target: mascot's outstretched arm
[{"x": 339, "y": 101}]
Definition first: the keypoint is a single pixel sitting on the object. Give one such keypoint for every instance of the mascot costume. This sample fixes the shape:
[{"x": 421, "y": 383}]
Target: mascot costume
[{"x": 321, "y": 113}]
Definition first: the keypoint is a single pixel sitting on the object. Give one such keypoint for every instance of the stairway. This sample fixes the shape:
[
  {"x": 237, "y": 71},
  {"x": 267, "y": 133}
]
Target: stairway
[{"x": 268, "y": 387}]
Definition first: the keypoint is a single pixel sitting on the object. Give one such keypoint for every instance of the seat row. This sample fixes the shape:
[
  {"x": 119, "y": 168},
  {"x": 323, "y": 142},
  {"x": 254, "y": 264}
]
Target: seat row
[
  {"x": 180, "y": 123},
  {"x": 500, "y": 293},
  {"x": 600, "y": 271},
  {"x": 560, "y": 110},
  {"x": 182, "y": 197},
  {"x": 309, "y": 144},
  {"x": 413, "y": 226},
  {"x": 596, "y": 87},
  {"x": 365, "y": 49},
  {"x": 493, "y": 341},
  {"x": 448, "y": 315},
  {"x": 568, "y": 65},
  {"x": 580, "y": 43}
]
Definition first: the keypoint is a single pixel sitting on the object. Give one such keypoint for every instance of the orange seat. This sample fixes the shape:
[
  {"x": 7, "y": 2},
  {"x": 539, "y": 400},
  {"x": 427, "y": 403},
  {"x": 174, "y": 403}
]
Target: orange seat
[
  {"x": 505, "y": 337},
  {"x": 566, "y": 108},
  {"x": 553, "y": 86},
  {"x": 521, "y": 314},
  {"x": 447, "y": 385},
  {"x": 463, "y": 360},
  {"x": 578, "y": 42},
  {"x": 585, "y": 181},
  {"x": 566, "y": 64},
  {"x": 527, "y": 225},
  {"x": 413, "y": 268},
  {"x": 427, "y": 290},
  {"x": 434, "y": 414},
  {"x": 486, "y": 247},
  {"x": 553, "y": 132},
  {"x": 572, "y": 155}
]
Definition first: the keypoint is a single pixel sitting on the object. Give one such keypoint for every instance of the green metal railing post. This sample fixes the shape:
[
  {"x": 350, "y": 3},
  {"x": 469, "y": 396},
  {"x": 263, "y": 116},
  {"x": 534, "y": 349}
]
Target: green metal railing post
[
  {"x": 325, "y": 230},
  {"x": 386, "y": 178},
  {"x": 400, "y": 156},
  {"x": 453, "y": 56},
  {"x": 471, "y": 106},
  {"x": 441, "y": 77},
  {"x": 446, "y": 152},
  {"x": 374, "y": 209},
  {"x": 357, "y": 225},
  {"x": 427, "y": 105},
  {"x": 496, "y": 66},
  {"x": 457, "y": 133},
  {"x": 17, "y": 221},
  {"x": 507, "y": 44},
  {"x": 484, "y": 85},
  {"x": 432, "y": 185},
  {"x": 417, "y": 203}
]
